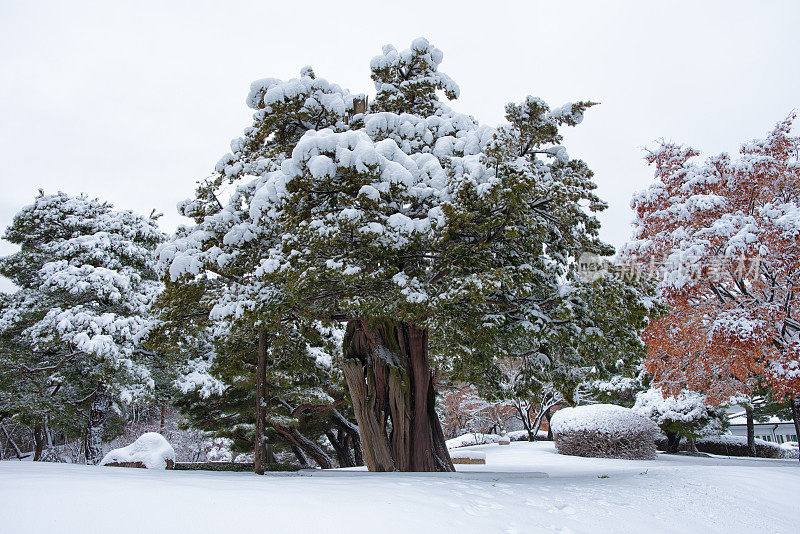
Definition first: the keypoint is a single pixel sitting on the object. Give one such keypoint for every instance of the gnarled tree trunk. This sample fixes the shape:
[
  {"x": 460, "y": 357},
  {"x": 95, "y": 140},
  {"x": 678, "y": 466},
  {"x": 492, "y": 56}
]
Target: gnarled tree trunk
[{"x": 391, "y": 385}]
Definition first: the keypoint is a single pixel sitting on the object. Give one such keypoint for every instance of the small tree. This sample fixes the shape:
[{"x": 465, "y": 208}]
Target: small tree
[{"x": 687, "y": 415}]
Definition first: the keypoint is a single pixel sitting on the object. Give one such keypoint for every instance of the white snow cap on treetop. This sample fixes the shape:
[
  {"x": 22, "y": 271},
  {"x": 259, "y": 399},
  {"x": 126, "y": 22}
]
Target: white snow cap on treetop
[
  {"x": 151, "y": 449},
  {"x": 604, "y": 418}
]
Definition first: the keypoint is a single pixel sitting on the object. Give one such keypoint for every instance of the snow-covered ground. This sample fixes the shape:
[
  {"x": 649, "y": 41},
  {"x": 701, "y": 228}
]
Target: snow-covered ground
[{"x": 522, "y": 488}]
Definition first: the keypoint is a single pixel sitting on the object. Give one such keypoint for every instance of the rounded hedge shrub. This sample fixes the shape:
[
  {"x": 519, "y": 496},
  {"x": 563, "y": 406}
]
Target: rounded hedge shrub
[{"x": 604, "y": 431}]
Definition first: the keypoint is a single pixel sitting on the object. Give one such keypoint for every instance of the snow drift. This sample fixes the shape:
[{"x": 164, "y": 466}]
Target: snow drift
[
  {"x": 604, "y": 431},
  {"x": 151, "y": 450}
]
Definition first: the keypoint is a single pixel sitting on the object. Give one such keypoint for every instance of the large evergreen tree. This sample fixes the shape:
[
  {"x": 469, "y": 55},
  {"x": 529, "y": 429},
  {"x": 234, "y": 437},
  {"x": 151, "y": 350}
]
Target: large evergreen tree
[
  {"x": 408, "y": 222},
  {"x": 70, "y": 334}
]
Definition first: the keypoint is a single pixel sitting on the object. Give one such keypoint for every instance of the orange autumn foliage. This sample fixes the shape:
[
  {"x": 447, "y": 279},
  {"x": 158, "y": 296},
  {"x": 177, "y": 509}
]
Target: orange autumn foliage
[{"x": 722, "y": 236}]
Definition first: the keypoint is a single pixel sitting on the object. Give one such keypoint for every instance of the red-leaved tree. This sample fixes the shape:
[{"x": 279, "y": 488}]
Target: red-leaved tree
[{"x": 723, "y": 237}]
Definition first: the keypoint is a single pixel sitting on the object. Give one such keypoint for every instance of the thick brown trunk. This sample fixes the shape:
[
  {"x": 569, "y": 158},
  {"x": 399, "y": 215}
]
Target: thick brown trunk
[
  {"x": 163, "y": 418},
  {"x": 390, "y": 382},
  {"x": 260, "y": 452},
  {"x": 751, "y": 430}
]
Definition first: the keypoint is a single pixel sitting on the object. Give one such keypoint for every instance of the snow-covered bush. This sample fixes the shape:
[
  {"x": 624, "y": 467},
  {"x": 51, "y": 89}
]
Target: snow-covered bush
[
  {"x": 218, "y": 450},
  {"x": 151, "y": 451},
  {"x": 604, "y": 431},
  {"x": 477, "y": 438}
]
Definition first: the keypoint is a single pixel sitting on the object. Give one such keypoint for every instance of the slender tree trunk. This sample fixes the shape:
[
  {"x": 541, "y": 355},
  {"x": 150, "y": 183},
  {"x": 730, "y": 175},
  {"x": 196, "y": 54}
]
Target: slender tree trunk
[
  {"x": 549, "y": 416},
  {"x": 48, "y": 432},
  {"x": 11, "y": 441},
  {"x": 38, "y": 441},
  {"x": 300, "y": 455},
  {"x": 751, "y": 430},
  {"x": 163, "y": 418},
  {"x": 260, "y": 449},
  {"x": 794, "y": 403},
  {"x": 98, "y": 411},
  {"x": 526, "y": 421},
  {"x": 352, "y": 433},
  {"x": 391, "y": 386},
  {"x": 308, "y": 446}
]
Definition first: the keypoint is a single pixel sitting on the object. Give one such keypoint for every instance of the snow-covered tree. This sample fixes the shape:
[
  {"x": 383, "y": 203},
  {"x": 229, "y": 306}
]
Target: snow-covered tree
[
  {"x": 410, "y": 223},
  {"x": 463, "y": 410},
  {"x": 724, "y": 234},
  {"x": 687, "y": 415},
  {"x": 71, "y": 333}
]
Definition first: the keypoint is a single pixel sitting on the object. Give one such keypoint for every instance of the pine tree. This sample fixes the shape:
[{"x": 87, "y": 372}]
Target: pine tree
[
  {"x": 428, "y": 235},
  {"x": 686, "y": 415},
  {"x": 232, "y": 240},
  {"x": 86, "y": 278}
]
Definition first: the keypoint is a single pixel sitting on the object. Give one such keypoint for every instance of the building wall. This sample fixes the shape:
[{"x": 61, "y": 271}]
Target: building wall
[{"x": 774, "y": 432}]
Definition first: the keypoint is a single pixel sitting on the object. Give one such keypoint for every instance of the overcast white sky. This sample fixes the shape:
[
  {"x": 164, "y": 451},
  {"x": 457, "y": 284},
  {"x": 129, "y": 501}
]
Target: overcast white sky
[{"x": 133, "y": 102}]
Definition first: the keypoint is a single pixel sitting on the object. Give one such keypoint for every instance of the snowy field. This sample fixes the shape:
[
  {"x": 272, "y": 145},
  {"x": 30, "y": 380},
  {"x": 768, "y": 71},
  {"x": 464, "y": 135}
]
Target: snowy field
[{"x": 522, "y": 488}]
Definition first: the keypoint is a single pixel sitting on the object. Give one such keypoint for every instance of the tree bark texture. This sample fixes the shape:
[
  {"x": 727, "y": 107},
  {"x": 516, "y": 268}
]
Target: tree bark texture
[{"x": 391, "y": 386}]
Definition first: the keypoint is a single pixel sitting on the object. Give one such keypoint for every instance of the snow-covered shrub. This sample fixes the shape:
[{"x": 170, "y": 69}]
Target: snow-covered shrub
[
  {"x": 687, "y": 415},
  {"x": 218, "y": 450},
  {"x": 730, "y": 445},
  {"x": 151, "y": 451},
  {"x": 522, "y": 435},
  {"x": 473, "y": 438},
  {"x": 604, "y": 431}
]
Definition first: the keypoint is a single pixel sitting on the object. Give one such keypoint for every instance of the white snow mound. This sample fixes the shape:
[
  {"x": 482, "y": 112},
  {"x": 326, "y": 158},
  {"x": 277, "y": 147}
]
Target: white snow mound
[
  {"x": 605, "y": 418},
  {"x": 151, "y": 449}
]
